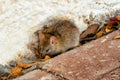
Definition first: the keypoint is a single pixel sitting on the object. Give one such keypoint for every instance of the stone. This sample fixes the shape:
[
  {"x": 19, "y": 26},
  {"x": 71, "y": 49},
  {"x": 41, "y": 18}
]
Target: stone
[
  {"x": 90, "y": 61},
  {"x": 37, "y": 75},
  {"x": 113, "y": 75}
]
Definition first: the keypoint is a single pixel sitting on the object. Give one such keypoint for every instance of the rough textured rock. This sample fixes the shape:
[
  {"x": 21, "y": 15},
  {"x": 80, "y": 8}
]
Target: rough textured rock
[
  {"x": 90, "y": 61},
  {"x": 37, "y": 75},
  {"x": 113, "y": 75}
]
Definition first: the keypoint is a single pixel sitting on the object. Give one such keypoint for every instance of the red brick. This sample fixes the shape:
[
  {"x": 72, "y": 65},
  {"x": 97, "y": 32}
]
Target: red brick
[
  {"x": 90, "y": 61},
  {"x": 113, "y": 75},
  {"x": 37, "y": 75}
]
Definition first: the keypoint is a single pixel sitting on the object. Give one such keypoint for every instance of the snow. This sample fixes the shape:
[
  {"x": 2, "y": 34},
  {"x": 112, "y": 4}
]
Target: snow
[{"x": 20, "y": 18}]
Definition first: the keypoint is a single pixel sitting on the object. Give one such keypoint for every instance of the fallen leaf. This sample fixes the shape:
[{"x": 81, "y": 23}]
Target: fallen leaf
[
  {"x": 46, "y": 58},
  {"x": 110, "y": 24},
  {"x": 92, "y": 29},
  {"x": 99, "y": 34},
  {"x": 113, "y": 19},
  {"x": 108, "y": 30},
  {"x": 23, "y": 65},
  {"x": 27, "y": 65},
  {"x": 118, "y": 17},
  {"x": 16, "y": 71},
  {"x": 117, "y": 37},
  {"x": 20, "y": 64}
]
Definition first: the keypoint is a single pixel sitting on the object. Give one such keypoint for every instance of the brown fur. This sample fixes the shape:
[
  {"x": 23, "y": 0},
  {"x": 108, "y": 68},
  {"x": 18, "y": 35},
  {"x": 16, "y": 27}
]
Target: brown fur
[{"x": 58, "y": 37}]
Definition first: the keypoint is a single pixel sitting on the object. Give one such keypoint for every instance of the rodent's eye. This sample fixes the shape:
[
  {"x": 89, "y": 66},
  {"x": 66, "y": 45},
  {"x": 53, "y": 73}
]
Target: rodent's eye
[{"x": 47, "y": 50}]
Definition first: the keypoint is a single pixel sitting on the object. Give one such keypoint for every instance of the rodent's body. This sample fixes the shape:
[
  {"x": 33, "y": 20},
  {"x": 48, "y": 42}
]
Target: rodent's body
[{"x": 58, "y": 37}]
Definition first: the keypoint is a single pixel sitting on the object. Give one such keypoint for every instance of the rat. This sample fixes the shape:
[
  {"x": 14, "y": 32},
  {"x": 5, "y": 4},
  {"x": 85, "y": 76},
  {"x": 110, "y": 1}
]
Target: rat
[{"x": 57, "y": 38}]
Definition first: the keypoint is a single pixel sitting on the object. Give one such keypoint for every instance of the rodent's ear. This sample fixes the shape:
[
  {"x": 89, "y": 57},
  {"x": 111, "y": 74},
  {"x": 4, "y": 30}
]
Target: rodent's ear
[
  {"x": 53, "y": 40},
  {"x": 41, "y": 36}
]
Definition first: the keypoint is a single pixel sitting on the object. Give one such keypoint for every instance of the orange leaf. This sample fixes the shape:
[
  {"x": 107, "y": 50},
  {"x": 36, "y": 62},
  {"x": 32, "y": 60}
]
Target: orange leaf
[
  {"x": 27, "y": 65},
  {"x": 16, "y": 71},
  {"x": 110, "y": 25},
  {"x": 23, "y": 65},
  {"x": 118, "y": 17},
  {"x": 20, "y": 64},
  {"x": 108, "y": 30},
  {"x": 46, "y": 58},
  {"x": 99, "y": 34},
  {"x": 117, "y": 37}
]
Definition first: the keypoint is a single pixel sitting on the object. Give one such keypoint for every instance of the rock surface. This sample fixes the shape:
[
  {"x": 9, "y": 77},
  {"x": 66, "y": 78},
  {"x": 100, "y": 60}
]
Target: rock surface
[
  {"x": 113, "y": 75},
  {"x": 37, "y": 75},
  {"x": 96, "y": 60}
]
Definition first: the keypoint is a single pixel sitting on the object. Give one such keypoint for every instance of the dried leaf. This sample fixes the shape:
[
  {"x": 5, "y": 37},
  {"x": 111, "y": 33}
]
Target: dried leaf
[
  {"x": 23, "y": 65},
  {"x": 113, "y": 19},
  {"x": 16, "y": 71},
  {"x": 99, "y": 34},
  {"x": 117, "y": 37},
  {"x": 27, "y": 65},
  {"x": 46, "y": 58},
  {"x": 108, "y": 30},
  {"x": 118, "y": 17},
  {"x": 110, "y": 25},
  {"x": 92, "y": 29},
  {"x": 20, "y": 64}
]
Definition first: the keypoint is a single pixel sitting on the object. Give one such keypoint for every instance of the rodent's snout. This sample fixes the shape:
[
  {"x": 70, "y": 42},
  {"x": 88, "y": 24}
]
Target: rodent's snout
[{"x": 42, "y": 55}]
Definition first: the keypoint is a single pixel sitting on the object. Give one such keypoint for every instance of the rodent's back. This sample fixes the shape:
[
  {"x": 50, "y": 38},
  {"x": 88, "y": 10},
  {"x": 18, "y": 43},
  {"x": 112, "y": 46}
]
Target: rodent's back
[
  {"x": 66, "y": 32},
  {"x": 57, "y": 38},
  {"x": 69, "y": 34}
]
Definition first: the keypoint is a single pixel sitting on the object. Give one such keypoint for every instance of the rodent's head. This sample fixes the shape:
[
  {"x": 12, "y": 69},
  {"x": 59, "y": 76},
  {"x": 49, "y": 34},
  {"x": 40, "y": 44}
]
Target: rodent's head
[{"x": 48, "y": 44}]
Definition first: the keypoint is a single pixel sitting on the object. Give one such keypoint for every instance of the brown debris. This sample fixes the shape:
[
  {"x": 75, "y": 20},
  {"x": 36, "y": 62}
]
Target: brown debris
[
  {"x": 95, "y": 31},
  {"x": 17, "y": 70},
  {"x": 91, "y": 30}
]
